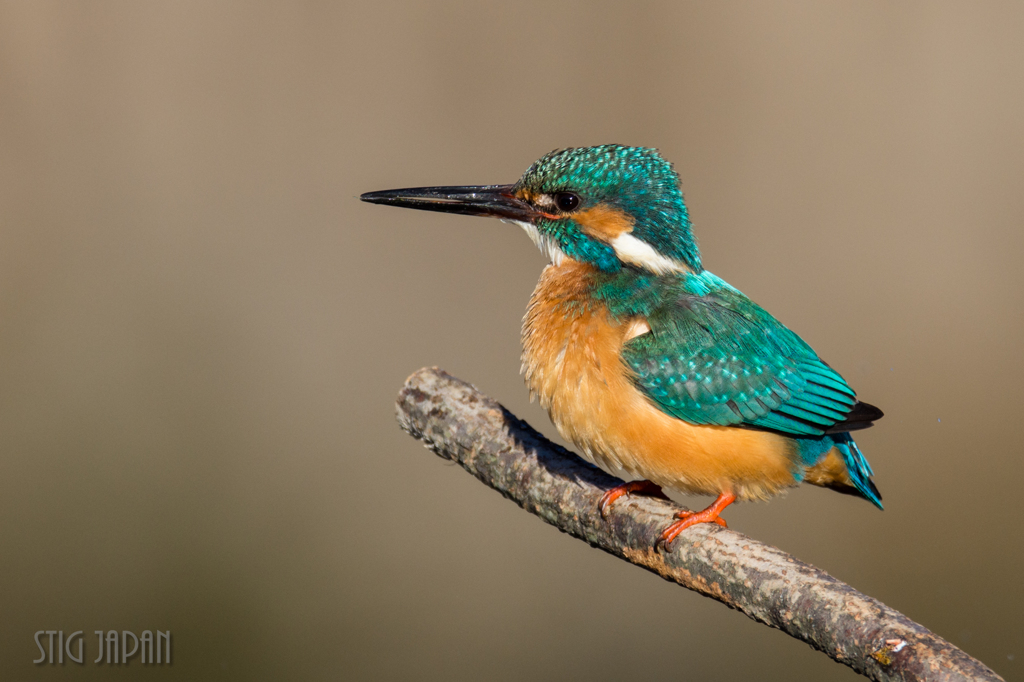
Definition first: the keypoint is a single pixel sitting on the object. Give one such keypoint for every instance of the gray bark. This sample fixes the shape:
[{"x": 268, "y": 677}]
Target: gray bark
[{"x": 460, "y": 424}]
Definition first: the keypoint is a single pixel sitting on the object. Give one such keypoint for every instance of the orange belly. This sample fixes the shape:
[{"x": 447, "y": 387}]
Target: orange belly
[{"x": 571, "y": 358}]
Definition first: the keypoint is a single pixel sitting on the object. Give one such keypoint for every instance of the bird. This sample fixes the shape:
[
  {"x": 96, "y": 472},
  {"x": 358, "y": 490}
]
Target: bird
[{"x": 649, "y": 363}]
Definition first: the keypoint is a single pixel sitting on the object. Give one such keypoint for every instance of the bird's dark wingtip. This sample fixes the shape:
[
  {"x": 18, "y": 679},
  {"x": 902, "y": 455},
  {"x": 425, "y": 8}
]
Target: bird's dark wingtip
[
  {"x": 861, "y": 416},
  {"x": 867, "y": 411}
]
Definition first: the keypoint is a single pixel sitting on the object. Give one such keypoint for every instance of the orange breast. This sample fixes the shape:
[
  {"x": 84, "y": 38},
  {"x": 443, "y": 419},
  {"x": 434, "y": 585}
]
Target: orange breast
[{"x": 571, "y": 358}]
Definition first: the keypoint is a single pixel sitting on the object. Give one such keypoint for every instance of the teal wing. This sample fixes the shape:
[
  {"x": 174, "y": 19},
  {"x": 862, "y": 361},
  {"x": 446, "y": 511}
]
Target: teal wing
[{"x": 716, "y": 357}]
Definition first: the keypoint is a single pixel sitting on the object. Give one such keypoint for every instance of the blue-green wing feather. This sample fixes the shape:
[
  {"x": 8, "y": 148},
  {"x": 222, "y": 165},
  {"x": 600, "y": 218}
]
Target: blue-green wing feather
[
  {"x": 716, "y": 357},
  {"x": 713, "y": 356}
]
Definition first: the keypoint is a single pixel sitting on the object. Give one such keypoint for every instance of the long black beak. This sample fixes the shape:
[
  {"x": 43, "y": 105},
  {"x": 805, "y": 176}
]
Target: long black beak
[{"x": 496, "y": 201}]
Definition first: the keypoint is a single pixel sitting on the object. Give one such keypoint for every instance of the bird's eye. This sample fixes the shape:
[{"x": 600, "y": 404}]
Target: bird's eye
[{"x": 566, "y": 201}]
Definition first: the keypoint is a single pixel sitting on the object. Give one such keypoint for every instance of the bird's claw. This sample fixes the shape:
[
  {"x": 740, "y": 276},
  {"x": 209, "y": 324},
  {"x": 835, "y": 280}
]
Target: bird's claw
[
  {"x": 690, "y": 518},
  {"x": 646, "y": 487}
]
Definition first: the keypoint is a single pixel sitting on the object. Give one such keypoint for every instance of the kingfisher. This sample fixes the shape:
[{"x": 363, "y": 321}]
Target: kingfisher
[{"x": 646, "y": 361}]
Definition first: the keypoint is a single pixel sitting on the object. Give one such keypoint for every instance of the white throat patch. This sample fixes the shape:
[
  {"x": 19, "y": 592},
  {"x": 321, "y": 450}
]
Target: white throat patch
[{"x": 546, "y": 244}]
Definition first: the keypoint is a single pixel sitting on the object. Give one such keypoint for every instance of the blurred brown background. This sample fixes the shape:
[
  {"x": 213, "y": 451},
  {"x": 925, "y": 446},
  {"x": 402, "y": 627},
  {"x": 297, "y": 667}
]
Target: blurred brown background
[{"x": 203, "y": 330}]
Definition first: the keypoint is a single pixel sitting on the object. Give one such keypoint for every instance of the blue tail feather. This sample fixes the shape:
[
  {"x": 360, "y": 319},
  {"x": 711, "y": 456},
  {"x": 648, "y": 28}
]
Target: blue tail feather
[{"x": 858, "y": 468}]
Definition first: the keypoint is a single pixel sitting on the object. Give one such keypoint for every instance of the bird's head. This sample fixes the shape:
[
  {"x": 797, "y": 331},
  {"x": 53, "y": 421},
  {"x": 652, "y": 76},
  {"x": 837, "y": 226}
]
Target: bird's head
[{"x": 606, "y": 206}]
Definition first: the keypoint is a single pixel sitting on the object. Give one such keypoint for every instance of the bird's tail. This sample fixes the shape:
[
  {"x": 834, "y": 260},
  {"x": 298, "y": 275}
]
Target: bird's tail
[{"x": 857, "y": 467}]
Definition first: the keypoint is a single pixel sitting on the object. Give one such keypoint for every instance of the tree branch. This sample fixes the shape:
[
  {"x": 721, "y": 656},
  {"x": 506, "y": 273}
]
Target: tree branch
[{"x": 462, "y": 425}]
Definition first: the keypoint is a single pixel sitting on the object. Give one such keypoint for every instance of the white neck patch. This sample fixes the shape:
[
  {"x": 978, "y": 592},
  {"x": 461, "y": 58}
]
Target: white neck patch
[{"x": 637, "y": 252}]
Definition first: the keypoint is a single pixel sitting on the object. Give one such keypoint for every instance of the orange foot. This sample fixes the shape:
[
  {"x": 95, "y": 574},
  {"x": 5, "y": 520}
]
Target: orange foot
[
  {"x": 689, "y": 518},
  {"x": 618, "y": 491}
]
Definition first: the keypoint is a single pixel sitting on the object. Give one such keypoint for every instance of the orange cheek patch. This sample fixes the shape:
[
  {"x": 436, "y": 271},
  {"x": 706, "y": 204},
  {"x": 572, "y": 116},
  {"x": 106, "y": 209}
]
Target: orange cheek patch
[{"x": 604, "y": 222}]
